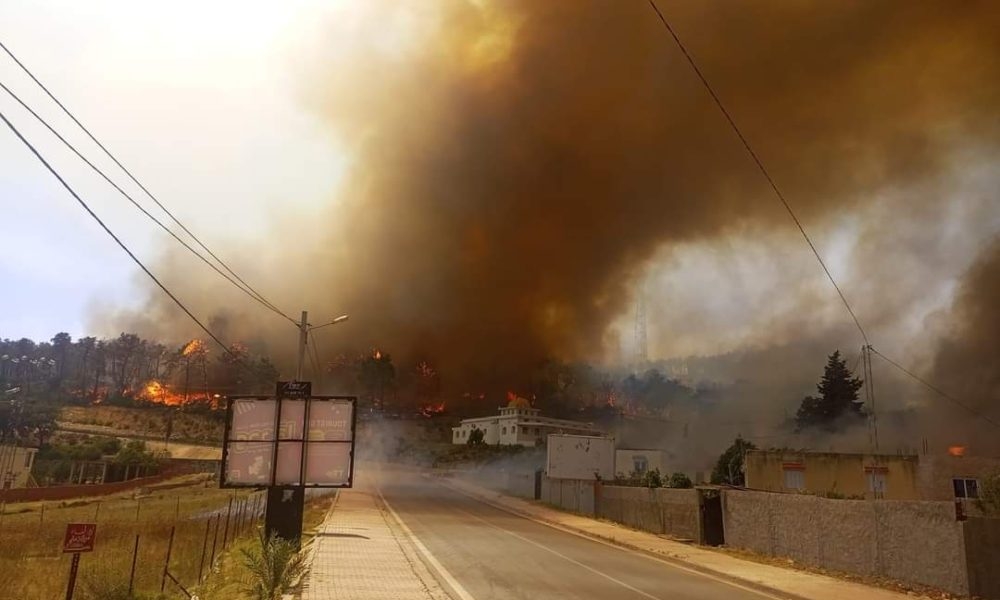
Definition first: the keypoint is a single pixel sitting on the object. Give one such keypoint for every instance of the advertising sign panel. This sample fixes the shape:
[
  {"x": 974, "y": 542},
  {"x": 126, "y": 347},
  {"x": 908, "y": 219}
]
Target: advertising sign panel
[{"x": 289, "y": 440}]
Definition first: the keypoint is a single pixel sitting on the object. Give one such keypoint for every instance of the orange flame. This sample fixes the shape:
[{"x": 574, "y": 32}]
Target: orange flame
[
  {"x": 160, "y": 393},
  {"x": 956, "y": 450},
  {"x": 377, "y": 355},
  {"x": 429, "y": 410},
  {"x": 192, "y": 347}
]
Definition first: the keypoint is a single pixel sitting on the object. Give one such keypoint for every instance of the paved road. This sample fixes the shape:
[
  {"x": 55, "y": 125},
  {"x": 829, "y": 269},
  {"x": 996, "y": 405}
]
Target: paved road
[{"x": 496, "y": 555}]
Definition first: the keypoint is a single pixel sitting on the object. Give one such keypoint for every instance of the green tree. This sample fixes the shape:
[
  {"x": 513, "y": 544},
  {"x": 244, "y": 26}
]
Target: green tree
[
  {"x": 376, "y": 375},
  {"x": 679, "y": 480},
  {"x": 729, "y": 469},
  {"x": 476, "y": 437},
  {"x": 989, "y": 493},
  {"x": 652, "y": 479},
  {"x": 837, "y": 405},
  {"x": 273, "y": 568}
]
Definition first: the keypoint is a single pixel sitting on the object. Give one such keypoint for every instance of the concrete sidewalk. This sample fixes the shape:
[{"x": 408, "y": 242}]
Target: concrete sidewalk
[
  {"x": 786, "y": 582},
  {"x": 360, "y": 553}
]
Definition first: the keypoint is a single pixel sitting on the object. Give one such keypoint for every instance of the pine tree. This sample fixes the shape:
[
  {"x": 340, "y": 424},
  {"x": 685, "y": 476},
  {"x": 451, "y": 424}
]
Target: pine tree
[{"x": 837, "y": 405}]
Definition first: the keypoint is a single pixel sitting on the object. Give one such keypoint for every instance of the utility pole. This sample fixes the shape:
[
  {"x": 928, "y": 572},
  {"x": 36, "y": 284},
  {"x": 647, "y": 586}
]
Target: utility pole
[{"x": 303, "y": 338}]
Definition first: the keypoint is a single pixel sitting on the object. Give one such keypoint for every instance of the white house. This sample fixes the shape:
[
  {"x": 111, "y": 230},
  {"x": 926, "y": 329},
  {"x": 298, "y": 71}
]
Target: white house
[
  {"x": 518, "y": 424},
  {"x": 15, "y": 465},
  {"x": 632, "y": 460}
]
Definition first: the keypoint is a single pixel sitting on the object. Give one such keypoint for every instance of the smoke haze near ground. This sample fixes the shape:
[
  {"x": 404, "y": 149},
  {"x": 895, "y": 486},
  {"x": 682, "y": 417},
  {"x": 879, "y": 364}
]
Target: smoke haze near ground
[{"x": 517, "y": 167}]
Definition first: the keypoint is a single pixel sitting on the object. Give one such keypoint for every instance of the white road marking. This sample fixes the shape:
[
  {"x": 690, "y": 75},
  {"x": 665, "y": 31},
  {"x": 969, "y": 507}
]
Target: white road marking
[
  {"x": 561, "y": 555},
  {"x": 613, "y": 545},
  {"x": 457, "y": 587}
]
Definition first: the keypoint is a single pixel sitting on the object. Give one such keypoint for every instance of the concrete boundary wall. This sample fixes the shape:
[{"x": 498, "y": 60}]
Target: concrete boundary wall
[
  {"x": 982, "y": 556},
  {"x": 674, "y": 512},
  {"x": 909, "y": 541},
  {"x": 575, "y": 495}
]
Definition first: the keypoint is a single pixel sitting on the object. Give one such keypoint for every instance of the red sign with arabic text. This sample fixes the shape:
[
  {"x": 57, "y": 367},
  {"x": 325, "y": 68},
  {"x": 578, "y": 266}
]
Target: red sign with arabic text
[{"x": 80, "y": 537}]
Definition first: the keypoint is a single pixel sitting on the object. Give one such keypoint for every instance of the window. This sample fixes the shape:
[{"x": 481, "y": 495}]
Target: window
[
  {"x": 877, "y": 483},
  {"x": 504, "y": 430},
  {"x": 639, "y": 464},
  {"x": 966, "y": 487},
  {"x": 795, "y": 478}
]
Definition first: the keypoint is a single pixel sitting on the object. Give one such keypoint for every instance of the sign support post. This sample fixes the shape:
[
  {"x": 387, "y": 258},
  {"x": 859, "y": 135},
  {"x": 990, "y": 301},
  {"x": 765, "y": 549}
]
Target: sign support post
[{"x": 79, "y": 538}]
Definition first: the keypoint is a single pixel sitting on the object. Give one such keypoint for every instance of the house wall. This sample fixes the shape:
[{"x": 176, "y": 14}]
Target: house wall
[
  {"x": 625, "y": 460},
  {"x": 826, "y": 473},
  {"x": 935, "y": 473},
  {"x": 16, "y": 463},
  {"x": 910, "y": 541}
]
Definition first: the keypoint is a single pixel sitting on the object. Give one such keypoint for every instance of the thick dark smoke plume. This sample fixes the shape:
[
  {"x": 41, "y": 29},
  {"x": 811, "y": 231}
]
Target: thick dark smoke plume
[
  {"x": 967, "y": 364},
  {"x": 514, "y": 165}
]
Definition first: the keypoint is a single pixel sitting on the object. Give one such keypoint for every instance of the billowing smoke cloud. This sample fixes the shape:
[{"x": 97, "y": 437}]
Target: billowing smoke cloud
[
  {"x": 516, "y": 165},
  {"x": 967, "y": 363}
]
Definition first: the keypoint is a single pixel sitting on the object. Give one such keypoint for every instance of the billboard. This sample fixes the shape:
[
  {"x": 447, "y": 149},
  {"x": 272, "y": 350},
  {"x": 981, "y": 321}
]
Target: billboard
[
  {"x": 292, "y": 439},
  {"x": 580, "y": 457}
]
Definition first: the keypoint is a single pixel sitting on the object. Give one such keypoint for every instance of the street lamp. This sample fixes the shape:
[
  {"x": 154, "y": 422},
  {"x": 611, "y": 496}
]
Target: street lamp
[
  {"x": 339, "y": 319},
  {"x": 304, "y": 329}
]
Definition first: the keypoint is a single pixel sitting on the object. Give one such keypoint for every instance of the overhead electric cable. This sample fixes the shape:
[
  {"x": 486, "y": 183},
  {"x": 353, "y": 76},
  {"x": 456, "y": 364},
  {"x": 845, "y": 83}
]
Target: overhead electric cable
[
  {"x": 121, "y": 244},
  {"x": 791, "y": 213},
  {"x": 937, "y": 390},
  {"x": 137, "y": 182},
  {"x": 760, "y": 165},
  {"x": 135, "y": 203}
]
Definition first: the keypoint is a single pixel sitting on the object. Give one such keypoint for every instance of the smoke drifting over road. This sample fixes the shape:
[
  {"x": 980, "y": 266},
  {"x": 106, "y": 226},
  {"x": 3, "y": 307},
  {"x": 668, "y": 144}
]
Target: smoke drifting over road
[{"x": 514, "y": 166}]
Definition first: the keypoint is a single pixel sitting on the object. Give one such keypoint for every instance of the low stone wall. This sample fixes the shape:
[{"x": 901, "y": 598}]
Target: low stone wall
[
  {"x": 668, "y": 511},
  {"x": 909, "y": 541}
]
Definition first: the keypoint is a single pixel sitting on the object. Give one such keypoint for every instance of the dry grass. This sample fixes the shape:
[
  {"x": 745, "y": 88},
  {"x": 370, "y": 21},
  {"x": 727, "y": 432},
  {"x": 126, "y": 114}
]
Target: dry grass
[
  {"x": 148, "y": 421},
  {"x": 32, "y": 565}
]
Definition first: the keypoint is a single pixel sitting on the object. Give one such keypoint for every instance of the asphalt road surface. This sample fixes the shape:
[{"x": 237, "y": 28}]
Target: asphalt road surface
[{"x": 496, "y": 555}]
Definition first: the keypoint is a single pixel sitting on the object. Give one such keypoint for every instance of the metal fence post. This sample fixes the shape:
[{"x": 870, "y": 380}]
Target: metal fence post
[
  {"x": 97, "y": 512},
  {"x": 204, "y": 547},
  {"x": 135, "y": 554},
  {"x": 225, "y": 532},
  {"x": 166, "y": 564},
  {"x": 215, "y": 538},
  {"x": 239, "y": 522}
]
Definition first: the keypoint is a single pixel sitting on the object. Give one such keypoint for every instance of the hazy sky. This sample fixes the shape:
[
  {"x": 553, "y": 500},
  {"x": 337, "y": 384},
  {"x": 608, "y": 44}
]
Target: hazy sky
[
  {"x": 219, "y": 108},
  {"x": 199, "y": 99}
]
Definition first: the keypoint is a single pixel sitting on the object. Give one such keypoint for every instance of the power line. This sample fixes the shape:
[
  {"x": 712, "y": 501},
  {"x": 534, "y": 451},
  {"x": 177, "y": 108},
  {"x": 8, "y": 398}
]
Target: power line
[
  {"x": 936, "y": 389},
  {"x": 135, "y": 203},
  {"x": 798, "y": 224},
  {"x": 121, "y": 244},
  {"x": 136, "y": 181},
  {"x": 760, "y": 166}
]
